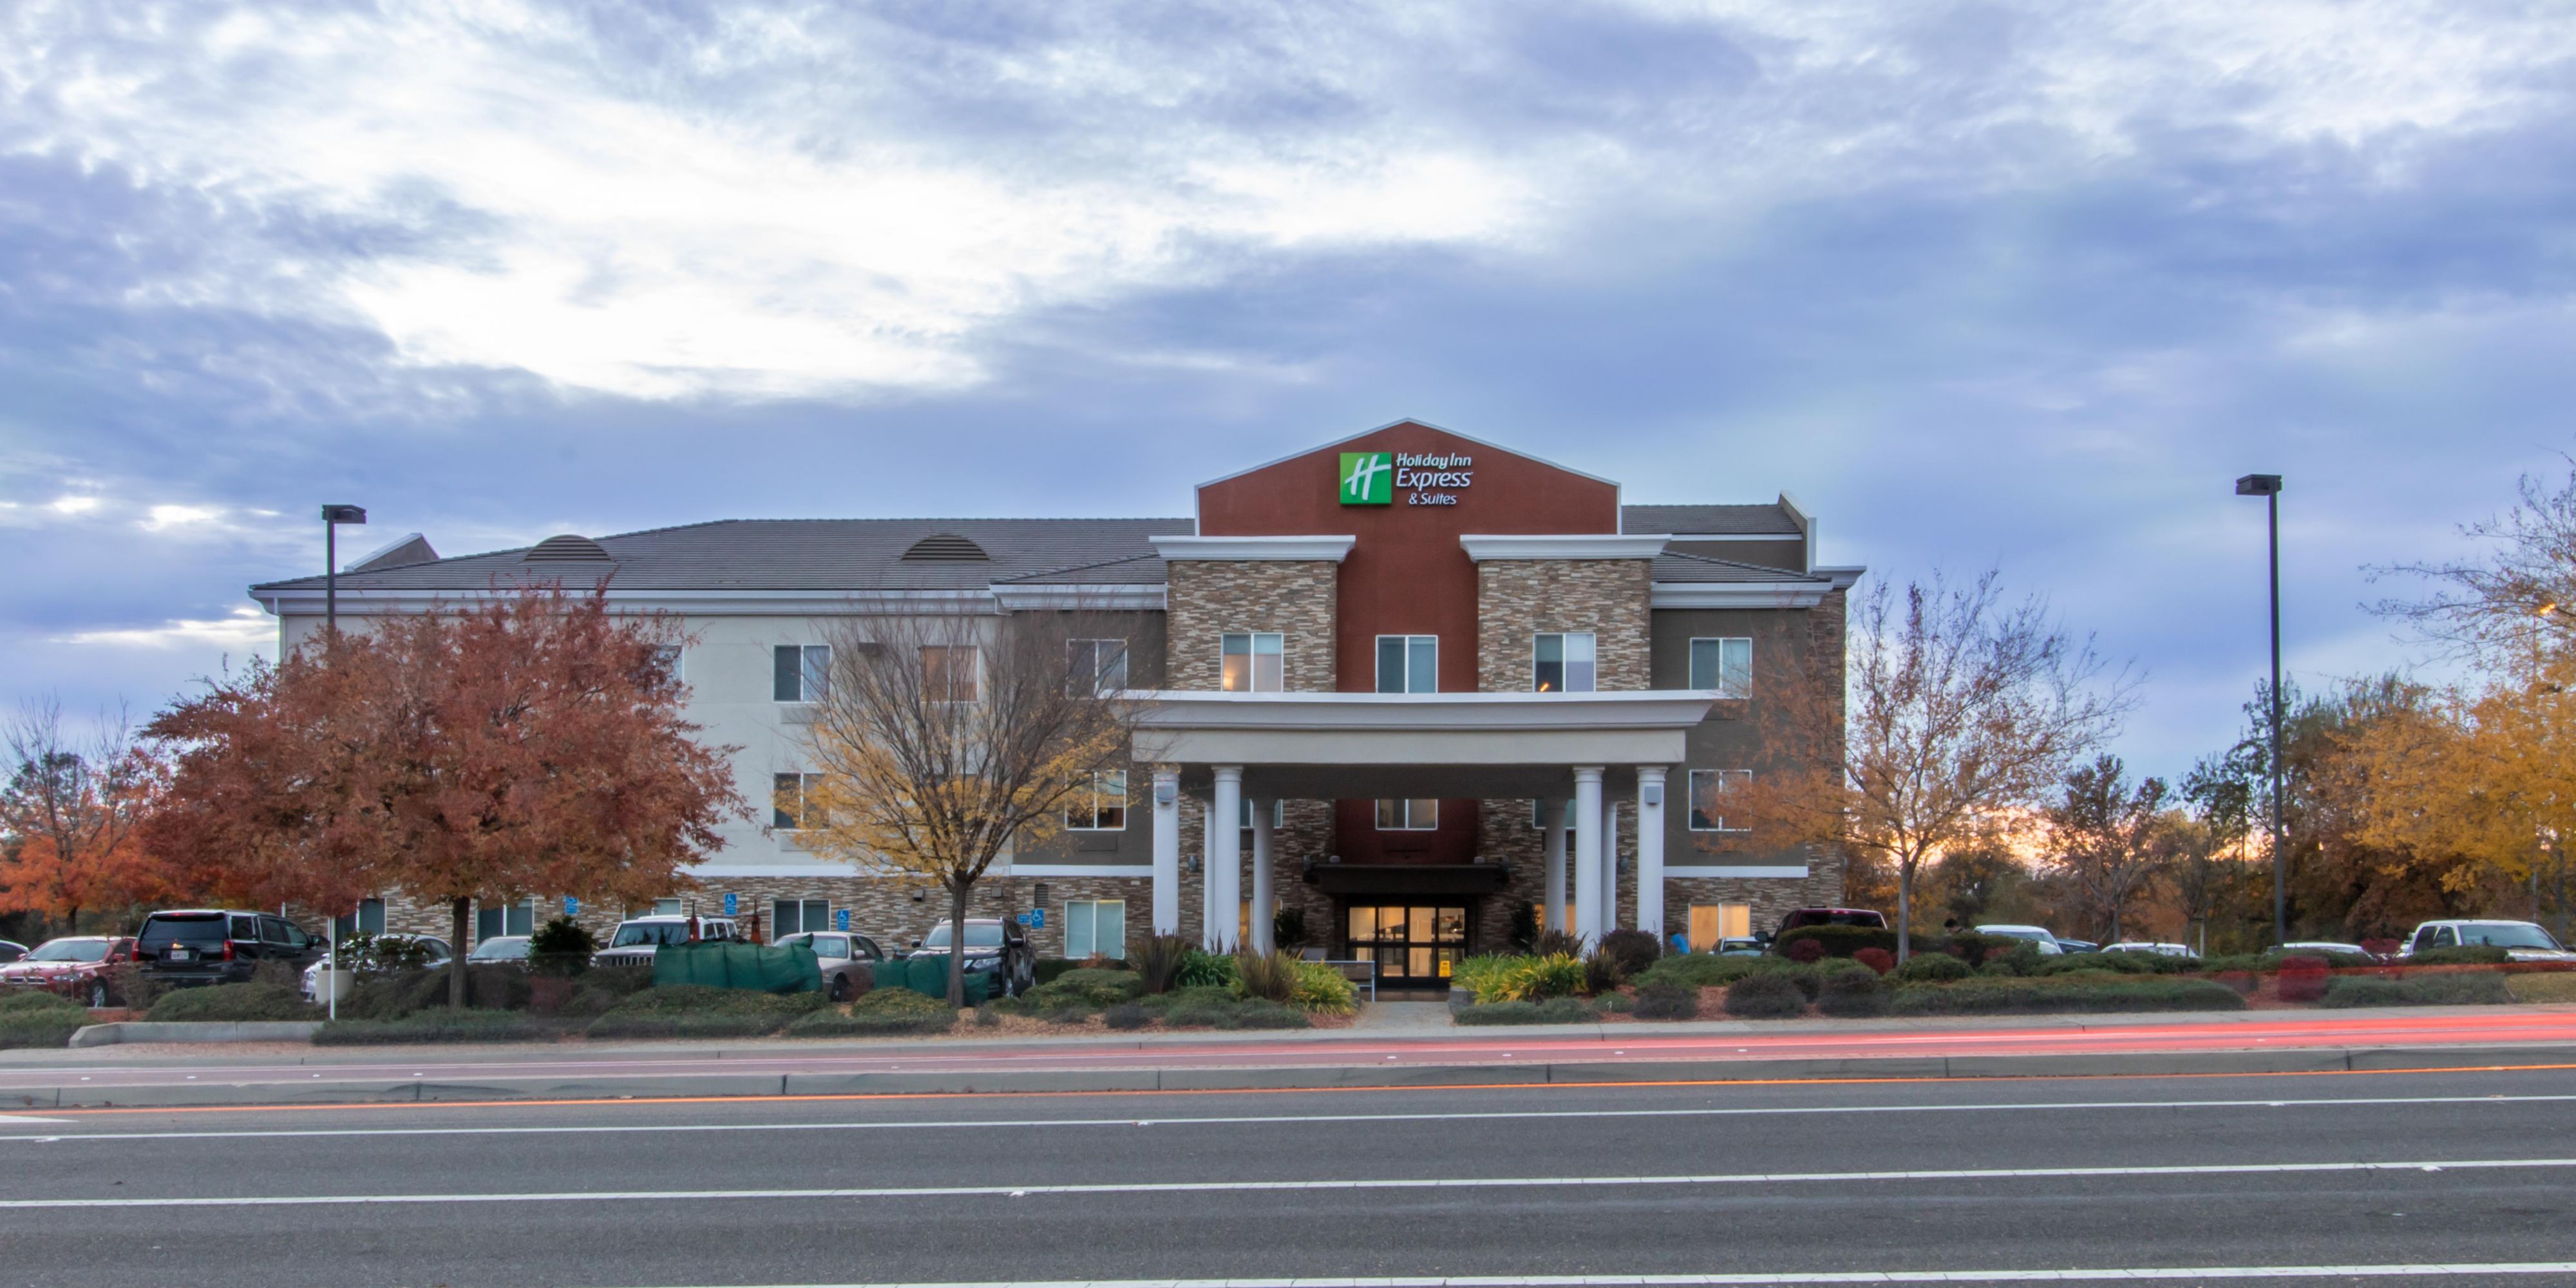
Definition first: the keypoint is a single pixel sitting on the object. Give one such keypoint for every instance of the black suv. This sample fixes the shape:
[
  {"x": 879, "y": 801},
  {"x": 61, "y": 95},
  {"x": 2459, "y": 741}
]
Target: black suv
[{"x": 206, "y": 946}]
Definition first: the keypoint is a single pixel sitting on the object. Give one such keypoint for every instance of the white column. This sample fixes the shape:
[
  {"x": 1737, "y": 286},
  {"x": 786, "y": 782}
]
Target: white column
[
  {"x": 1588, "y": 923},
  {"x": 1207, "y": 874},
  {"x": 1609, "y": 864},
  {"x": 1265, "y": 896},
  {"x": 1551, "y": 818},
  {"x": 1650, "y": 851},
  {"x": 1225, "y": 860},
  {"x": 1167, "y": 852}
]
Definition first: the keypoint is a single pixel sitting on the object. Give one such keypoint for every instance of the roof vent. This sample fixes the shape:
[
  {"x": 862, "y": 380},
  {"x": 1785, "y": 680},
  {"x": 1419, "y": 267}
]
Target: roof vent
[
  {"x": 568, "y": 548},
  {"x": 946, "y": 546}
]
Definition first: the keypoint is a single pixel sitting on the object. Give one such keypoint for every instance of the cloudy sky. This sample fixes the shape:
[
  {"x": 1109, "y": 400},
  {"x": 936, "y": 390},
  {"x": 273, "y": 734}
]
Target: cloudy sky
[{"x": 2013, "y": 283}]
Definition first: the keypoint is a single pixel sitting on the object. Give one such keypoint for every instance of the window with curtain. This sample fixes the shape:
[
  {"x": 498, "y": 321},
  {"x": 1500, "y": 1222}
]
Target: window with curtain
[
  {"x": 1254, "y": 662},
  {"x": 1095, "y": 926},
  {"x": 948, "y": 672},
  {"x": 1562, "y": 662}
]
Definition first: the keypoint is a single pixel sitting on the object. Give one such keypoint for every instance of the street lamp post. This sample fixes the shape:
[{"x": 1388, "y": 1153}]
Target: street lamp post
[
  {"x": 2268, "y": 486},
  {"x": 332, "y": 517}
]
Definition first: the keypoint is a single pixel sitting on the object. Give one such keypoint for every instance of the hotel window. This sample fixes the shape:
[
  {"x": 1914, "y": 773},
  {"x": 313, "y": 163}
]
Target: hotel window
[
  {"x": 1408, "y": 664},
  {"x": 1278, "y": 813},
  {"x": 1712, "y": 922},
  {"x": 1104, "y": 807},
  {"x": 797, "y": 671},
  {"x": 1562, "y": 662},
  {"x": 370, "y": 919},
  {"x": 1253, "y": 662},
  {"x": 1723, "y": 664},
  {"x": 792, "y": 804},
  {"x": 948, "y": 672},
  {"x": 1095, "y": 926},
  {"x": 1707, "y": 787},
  {"x": 515, "y": 919},
  {"x": 798, "y": 916},
  {"x": 1094, "y": 667},
  {"x": 1417, "y": 815}
]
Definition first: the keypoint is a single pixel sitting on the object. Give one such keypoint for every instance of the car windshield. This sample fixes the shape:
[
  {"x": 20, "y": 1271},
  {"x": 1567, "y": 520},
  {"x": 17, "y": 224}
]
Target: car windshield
[
  {"x": 70, "y": 950},
  {"x": 203, "y": 928},
  {"x": 2507, "y": 934},
  {"x": 978, "y": 935},
  {"x": 656, "y": 933},
  {"x": 508, "y": 949}
]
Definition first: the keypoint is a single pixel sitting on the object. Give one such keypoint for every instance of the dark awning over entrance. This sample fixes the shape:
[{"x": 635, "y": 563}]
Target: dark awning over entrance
[{"x": 1409, "y": 879}]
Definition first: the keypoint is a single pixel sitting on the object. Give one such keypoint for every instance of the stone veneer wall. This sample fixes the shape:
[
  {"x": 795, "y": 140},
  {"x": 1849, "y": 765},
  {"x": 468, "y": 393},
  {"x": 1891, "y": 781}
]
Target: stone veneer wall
[
  {"x": 1206, "y": 598},
  {"x": 1517, "y": 598}
]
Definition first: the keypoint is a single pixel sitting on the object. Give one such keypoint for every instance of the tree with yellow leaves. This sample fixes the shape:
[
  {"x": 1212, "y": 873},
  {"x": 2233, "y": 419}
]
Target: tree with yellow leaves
[{"x": 938, "y": 743}]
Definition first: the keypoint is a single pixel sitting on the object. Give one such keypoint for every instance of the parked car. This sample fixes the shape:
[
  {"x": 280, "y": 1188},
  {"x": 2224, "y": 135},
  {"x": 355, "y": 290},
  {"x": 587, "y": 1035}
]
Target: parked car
[
  {"x": 848, "y": 960},
  {"x": 1739, "y": 948},
  {"x": 1830, "y": 917},
  {"x": 500, "y": 950},
  {"x": 993, "y": 945},
  {"x": 2327, "y": 946},
  {"x": 2523, "y": 940},
  {"x": 76, "y": 966},
  {"x": 2078, "y": 946},
  {"x": 437, "y": 954},
  {"x": 214, "y": 946},
  {"x": 638, "y": 938},
  {"x": 11, "y": 950},
  {"x": 2037, "y": 935},
  {"x": 2150, "y": 946}
]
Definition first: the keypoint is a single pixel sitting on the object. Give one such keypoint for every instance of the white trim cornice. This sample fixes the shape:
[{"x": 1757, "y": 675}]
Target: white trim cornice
[
  {"x": 1023, "y": 597},
  {"x": 1325, "y": 549},
  {"x": 1702, "y": 872},
  {"x": 302, "y": 601},
  {"x": 1481, "y": 547},
  {"x": 1739, "y": 594},
  {"x": 1484, "y": 712}
]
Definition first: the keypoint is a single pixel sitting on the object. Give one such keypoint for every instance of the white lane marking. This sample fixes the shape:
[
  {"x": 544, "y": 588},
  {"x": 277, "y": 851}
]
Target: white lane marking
[
  {"x": 1788, "y": 1277},
  {"x": 1249, "y": 1187},
  {"x": 1255, "y": 1120},
  {"x": 28, "y": 1118}
]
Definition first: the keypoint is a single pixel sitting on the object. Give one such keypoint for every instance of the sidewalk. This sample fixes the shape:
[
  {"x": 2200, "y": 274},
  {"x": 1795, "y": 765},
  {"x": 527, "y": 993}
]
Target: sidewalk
[{"x": 1389, "y": 1055}]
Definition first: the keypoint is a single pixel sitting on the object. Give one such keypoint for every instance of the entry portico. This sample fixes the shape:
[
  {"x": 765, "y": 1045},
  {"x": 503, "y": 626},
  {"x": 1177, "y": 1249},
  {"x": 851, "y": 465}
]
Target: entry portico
[{"x": 1577, "y": 754}]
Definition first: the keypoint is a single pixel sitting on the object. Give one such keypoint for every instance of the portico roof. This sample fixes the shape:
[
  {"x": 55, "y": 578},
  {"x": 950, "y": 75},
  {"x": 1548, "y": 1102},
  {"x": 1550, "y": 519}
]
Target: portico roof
[{"x": 1487, "y": 745}]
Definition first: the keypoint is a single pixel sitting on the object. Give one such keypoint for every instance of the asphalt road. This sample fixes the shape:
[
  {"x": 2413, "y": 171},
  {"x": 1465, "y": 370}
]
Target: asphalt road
[{"x": 2210, "y": 1176}]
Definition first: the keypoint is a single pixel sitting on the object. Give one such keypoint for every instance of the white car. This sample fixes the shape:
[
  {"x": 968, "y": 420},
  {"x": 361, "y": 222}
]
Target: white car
[
  {"x": 500, "y": 950},
  {"x": 2035, "y": 934},
  {"x": 2150, "y": 946},
  {"x": 2327, "y": 946},
  {"x": 439, "y": 955},
  {"x": 638, "y": 938},
  {"x": 2521, "y": 940}
]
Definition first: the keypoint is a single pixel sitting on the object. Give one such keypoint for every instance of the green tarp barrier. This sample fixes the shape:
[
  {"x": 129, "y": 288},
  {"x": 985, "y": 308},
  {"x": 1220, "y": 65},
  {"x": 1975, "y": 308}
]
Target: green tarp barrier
[
  {"x": 763, "y": 968},
  {"x": 928, "y": 976}
]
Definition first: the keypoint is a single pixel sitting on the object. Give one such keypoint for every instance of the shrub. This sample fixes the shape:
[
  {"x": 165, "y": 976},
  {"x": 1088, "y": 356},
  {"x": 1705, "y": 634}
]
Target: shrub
[
  {"x": 2101, "y": 963},
  {"x": 1566, "y": 1010},
  {"x": 1837, "y": 941},
  {"x": 40, "y": 1028},
  {"x": 1158, "y": 965},
  {"x": 1805, "y": 952},
  {"x": 1270, "y": 977},
  {"x": 1047, "y": 970},
  {"x": 1099, "y": 986},
  {"x": 1324, "y": 990},
  {"x": 1809, "y": 983},
  {"x": 1614, "y": 1002},
  {"x": 1600, "y": 973},
  {"x": 2464, "y": 955},
  {"x": 1877, "y": 959},
  {"x": 1268, "y": 1015},
  {"x": 1207, "y": 970},
  {"x": 2462, "y": 988},
  {"x": 1187, "y": 997},
  {"x": 1067, "y": 1015},
  {"x": 2302, "y": 979},
  {"x": 233, "y": 1002},
  {"x": 1851, "y": 993},
  {"x": 2542, "y": 986},
  {"x": 1535, "y": 979},
  {"x": 2096, "y": 992},
  {"x": 1555, "y": 943},
  {"x": 2023, "y": 958},
  {"x": 1127, "y": 1015},
  {"x": 489, "y": 988},
  {"x": 1706, "y": 970},
  {"x": 32, "y": 1001},
  {"x": 1476, "y": 975},
  {"x": 1975, "y": 948},
  {"x": 695, "y": 1010},
  {"x": 877, "y": 1013},
  {"x": 1058, "y": 996},
  {"x": 561, "y": 947},
  {"x": 1766, "y": 997},
  {"x": 1498, "y": 1013},
  {"x": 1633, "y": 950},
  {"x": 1932, "y": 968},
  {"x": 437, "y": 1026},
  {"x": 1667, "y": 1001},
  {"x": 1288, "y": 927}
]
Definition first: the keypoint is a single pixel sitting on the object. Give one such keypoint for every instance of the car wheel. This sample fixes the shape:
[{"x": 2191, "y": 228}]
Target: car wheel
[
  {"x": 840, "y": 988},
  {"x": 98, "y": 995}
]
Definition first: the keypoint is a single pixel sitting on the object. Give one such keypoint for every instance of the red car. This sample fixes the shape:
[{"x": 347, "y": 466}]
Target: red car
[{"x": 76, "y": 966}]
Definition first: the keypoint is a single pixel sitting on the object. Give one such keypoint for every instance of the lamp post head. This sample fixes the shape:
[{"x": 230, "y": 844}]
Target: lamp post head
[
  {"x": 2259, "y": 485},
  {"x": 344, "y": 514}
]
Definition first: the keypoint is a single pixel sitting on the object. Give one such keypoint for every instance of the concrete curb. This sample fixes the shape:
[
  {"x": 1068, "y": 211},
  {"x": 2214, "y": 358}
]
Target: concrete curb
[
  {"x": 749, "y": 1085},
  {"x": 97, "y": 1035}
]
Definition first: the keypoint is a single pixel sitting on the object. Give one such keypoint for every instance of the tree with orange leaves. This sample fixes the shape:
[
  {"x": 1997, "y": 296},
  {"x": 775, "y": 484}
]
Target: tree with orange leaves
[
  {"x": 70, "y": 817},
  {"x": 529, "y": 745}
]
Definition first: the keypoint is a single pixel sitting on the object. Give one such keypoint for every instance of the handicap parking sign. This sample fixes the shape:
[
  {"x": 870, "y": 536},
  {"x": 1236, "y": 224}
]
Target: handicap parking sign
[
  {"x": 1036, "y": 919},
  {"x": 572, "y": 906},
  {"x": 841, "y": 919},
  {"x": 729, "y": 904}
]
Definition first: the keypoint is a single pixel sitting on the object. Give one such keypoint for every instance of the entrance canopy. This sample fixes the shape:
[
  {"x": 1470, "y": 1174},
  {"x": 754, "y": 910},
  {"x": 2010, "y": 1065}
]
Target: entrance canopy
[{"x": 1496, "y": 746}]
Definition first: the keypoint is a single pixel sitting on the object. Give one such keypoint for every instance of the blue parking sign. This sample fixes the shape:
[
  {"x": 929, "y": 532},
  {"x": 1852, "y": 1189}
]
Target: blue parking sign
[
  {"x": 572, "y": 906},
  {"x": 1023, "y": 919},
  {"x": 841, "y": 919},
  {"x": 729, "y": 903},
  {"x": 1037, "y": 919}
]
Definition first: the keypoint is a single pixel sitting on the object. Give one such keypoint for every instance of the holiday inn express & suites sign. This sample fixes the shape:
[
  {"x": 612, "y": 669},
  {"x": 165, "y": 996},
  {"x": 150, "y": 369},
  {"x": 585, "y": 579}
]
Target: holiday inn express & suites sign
[{"x": 1373, "y": 478}]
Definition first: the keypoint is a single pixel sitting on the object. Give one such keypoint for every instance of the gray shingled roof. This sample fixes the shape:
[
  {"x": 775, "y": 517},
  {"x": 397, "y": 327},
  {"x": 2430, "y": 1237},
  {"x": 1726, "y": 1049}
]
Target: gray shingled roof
[
  {"x": 1676, "y": 565},
  {"x": 809, "y": 554},
  {"x": 1768, "y": 519}
]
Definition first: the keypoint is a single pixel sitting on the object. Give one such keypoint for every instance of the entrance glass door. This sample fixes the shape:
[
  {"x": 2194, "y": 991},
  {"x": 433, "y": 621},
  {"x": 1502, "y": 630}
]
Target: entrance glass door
[{"x": 1414, "y": 945}]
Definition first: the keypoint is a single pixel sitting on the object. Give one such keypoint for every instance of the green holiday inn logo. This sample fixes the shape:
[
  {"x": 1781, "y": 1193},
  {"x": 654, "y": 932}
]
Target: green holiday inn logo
[{"x": 1368, "y": 478}]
